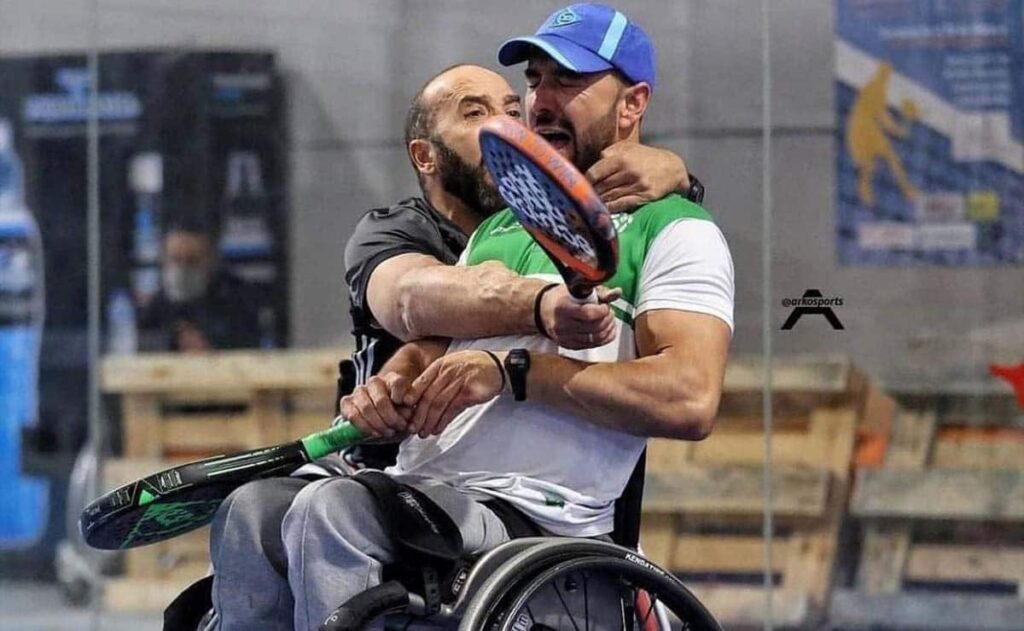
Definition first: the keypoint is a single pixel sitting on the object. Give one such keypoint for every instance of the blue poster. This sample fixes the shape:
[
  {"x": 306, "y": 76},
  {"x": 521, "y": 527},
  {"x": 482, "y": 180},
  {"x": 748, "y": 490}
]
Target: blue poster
[{"x": 930, "y": 113}]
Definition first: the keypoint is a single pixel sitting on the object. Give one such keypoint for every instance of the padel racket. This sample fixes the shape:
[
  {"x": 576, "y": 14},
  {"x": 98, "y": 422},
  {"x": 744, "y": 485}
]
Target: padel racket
[
  {"x": 186, "y": 497},
  {"x": 553, "y": 202}
]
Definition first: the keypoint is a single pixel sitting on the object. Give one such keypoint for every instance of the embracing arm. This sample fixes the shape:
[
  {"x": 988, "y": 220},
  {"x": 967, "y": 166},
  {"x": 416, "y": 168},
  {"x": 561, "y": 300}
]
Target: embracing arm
[
  {"x": 415, "y": 296},
  {"x": 630, "y": 174}
]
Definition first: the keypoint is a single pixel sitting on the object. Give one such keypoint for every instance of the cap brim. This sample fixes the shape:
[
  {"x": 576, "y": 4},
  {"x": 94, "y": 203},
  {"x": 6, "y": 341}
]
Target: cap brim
[{"x": 569, "y": 55}]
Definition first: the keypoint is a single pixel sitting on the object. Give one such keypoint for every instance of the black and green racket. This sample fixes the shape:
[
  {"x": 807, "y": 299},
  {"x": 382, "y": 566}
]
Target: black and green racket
[{"x": 183, "y": 498}]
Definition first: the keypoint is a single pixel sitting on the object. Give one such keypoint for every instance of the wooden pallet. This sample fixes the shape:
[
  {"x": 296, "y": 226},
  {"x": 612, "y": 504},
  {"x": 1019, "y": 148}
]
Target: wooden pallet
[
  {"x": 704, "y": 501},
  {"x": 177, "y": 408},
  {"x": 942, "y": 518}
]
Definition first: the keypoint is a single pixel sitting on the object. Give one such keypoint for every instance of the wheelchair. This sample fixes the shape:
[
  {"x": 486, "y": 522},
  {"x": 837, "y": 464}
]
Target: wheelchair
[
  {"x": 531, "y": 583},
  {"x": 541, "y": 584}
]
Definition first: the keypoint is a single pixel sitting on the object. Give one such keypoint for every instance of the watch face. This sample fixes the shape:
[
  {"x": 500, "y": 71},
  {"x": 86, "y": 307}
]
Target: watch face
[
  {"x": 518, "y": 363},
  {"x": 519, "y": 358}
]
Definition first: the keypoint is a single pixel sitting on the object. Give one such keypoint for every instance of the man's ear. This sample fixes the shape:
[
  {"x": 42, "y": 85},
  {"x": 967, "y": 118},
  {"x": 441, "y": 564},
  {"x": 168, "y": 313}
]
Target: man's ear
[
  {"x": 421, "y": 151},
  {"x": 633, "y": 104}
]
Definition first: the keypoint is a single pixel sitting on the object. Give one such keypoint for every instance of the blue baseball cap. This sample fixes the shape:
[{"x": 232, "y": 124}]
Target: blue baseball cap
[{"x": 588, "y": 38}]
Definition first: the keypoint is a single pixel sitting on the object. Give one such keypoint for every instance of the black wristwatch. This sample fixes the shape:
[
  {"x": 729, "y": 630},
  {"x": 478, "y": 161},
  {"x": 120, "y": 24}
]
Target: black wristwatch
[
  {"x": 517, "y": 364},
  {"x": 696, "y": 192}
]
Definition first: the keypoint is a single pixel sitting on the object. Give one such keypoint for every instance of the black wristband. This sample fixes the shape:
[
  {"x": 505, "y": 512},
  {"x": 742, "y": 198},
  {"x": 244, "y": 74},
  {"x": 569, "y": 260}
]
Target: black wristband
[
  {"x": 501, "y": 369},
  {"x": 696, "y": 191},
  {"x": 536, "y": 309}
]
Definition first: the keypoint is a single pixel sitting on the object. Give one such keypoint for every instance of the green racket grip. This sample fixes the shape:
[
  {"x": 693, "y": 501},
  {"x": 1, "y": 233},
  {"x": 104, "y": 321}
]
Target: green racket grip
[{"x": 332, "y": 440}]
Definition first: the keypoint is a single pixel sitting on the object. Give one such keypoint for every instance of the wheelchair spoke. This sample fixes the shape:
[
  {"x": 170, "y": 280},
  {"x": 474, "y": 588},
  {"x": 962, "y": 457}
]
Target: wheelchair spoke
[
  {"x": 586, "y": 604},
  {"x": 529, "y": 612},
  {"x": 568, "y": 611}
]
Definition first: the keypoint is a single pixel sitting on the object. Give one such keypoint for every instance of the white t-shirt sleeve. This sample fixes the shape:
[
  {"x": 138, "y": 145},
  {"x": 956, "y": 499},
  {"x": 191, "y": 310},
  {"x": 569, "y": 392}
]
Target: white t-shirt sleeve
[{"x": 688, "y": 268}]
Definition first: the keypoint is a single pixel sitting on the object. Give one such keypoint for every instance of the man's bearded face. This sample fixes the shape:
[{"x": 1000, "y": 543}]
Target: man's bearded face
[{"x": 471, "y": 184}]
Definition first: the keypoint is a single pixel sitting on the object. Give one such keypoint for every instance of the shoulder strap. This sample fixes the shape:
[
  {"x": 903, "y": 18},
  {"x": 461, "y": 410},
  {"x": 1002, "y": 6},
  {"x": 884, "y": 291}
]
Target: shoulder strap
[
  {"x": 516, "y": 523},
  {"x": 414, "y": 521}
]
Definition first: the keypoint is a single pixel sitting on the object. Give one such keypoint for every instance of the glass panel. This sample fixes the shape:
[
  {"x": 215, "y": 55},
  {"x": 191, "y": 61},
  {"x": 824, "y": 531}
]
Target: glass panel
[
  {"x": 44, "y": 193},
  {"x": 926, "y": 226}
]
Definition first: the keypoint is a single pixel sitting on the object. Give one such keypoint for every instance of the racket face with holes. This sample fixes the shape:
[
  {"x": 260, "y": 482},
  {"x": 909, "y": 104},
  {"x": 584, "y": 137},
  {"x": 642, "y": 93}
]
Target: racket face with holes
[
  {"x": 179, "y": 499},
  {"x": 553, "y": 201}
]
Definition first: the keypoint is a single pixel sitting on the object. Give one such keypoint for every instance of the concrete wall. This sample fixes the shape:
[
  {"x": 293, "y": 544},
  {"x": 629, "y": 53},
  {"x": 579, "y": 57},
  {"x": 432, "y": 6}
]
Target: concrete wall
[{"x": 352, "y": 67}]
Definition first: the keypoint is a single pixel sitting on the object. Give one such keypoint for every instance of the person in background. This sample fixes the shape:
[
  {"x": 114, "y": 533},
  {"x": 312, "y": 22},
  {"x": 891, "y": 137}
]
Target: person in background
[{"x": 201, "y": 306}]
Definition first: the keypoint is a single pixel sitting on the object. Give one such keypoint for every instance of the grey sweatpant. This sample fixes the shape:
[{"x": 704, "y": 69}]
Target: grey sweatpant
[{"x": 331, "y": 546}]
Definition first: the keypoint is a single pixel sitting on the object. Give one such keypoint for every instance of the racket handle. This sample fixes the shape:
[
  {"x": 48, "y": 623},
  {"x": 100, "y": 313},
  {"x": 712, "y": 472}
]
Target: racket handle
[
  {"x": 589, "y": 298},
  {"x": 332, "y": 440}
]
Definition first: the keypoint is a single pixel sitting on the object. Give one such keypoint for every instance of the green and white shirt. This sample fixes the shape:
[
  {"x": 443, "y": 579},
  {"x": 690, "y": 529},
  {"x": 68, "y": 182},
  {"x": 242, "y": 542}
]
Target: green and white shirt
[{"x": 559, "y": 469}]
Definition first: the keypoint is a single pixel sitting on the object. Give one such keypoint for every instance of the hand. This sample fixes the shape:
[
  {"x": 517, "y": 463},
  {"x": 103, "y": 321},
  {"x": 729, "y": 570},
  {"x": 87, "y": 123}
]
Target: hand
[
  {"x": 449, "y": 385},
  {"x": 577, "y": 326},
  {"x": 376, "y": 407},
  {"x": 630, "y": 174}
]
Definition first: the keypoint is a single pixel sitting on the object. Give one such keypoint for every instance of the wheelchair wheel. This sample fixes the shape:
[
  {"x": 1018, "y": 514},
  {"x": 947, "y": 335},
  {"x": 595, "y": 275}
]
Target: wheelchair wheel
[{"x": 577, "y": 585}]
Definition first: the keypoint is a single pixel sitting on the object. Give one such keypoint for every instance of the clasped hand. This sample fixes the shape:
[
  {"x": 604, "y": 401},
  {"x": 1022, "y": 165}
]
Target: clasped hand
[{"x": 390, "y": 405}]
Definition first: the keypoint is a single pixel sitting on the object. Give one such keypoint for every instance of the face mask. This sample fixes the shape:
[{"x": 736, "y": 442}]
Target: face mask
[{"x": 183, "y": 283}]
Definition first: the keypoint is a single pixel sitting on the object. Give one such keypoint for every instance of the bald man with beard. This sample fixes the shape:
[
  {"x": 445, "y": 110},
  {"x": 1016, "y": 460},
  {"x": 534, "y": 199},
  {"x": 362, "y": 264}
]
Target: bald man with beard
[{"x": 403, "y": 286}]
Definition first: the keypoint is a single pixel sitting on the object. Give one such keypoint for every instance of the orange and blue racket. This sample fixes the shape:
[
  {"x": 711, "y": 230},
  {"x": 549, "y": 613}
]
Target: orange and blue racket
[{"x": 554, "y": 202}]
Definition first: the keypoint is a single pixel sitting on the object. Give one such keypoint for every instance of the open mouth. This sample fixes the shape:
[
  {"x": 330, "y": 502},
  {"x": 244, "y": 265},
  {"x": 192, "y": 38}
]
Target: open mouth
[{"x": 559, "y": 139}]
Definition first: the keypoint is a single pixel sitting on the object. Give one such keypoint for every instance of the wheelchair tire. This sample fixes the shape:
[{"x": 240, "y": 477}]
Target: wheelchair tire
[{"x": 499, "y": 603}]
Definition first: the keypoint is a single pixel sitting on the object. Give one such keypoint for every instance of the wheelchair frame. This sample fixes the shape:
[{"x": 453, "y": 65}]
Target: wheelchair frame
[
  {"x": 503, "y": 578},
  {"x": 508, "y": 567}
]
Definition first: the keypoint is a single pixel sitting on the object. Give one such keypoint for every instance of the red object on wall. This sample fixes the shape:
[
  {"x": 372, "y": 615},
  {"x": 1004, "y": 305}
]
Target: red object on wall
[{"x": 1014, "y": 375}]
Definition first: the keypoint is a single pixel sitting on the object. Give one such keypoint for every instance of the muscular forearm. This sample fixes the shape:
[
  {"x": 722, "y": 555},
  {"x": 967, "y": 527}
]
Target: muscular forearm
[
  {"x": 466, "y": 302},
  {"x": 651, "y": 396}
]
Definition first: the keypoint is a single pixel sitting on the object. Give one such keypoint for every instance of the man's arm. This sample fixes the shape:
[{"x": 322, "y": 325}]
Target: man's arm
[
  {"x": 672, "y": 390},
  {"x": 682, "y": 331},
  {"x": 414, "y": 296},
  {"x": 630, "y": 174}
]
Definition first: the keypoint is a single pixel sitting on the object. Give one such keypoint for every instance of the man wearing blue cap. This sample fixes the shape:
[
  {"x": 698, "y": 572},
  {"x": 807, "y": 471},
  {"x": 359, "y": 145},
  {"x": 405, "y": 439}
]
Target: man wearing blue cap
[
  {"x": 561, "y": 456},
  {"x": 596, "y": 58},
  {"x": 550, "y": 432}
]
